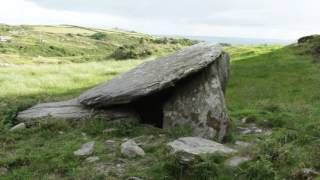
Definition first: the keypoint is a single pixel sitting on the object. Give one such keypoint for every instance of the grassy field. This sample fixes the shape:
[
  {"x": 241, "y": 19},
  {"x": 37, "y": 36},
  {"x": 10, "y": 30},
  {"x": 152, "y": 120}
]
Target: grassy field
[
  {"x": 73, "y": 44},
  {"x": 276, "y": 87}
]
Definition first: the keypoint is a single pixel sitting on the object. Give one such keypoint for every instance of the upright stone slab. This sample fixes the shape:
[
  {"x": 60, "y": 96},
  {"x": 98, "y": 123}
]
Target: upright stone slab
[{"x": 199, "y": 102}]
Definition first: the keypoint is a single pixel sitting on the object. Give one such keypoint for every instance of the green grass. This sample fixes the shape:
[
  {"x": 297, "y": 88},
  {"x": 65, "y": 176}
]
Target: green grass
[
  {"x": 275, "y": 86},
  {"x": 65, "y": 44}
]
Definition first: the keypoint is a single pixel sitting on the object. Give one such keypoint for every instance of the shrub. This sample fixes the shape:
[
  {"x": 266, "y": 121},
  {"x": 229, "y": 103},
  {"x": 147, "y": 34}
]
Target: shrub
[
  {"x": 131, "y": 52},
  {"x": 181, "y": 41},
  {"x": 99, "y": 36}
]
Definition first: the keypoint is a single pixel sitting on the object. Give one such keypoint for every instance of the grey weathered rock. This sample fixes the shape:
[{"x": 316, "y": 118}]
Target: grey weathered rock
[
  {"x": 243, "y": 144},
  {"x": 92, "y": 159},
  {"x": 200, "y": 103},
  {"x": 18, "y": 127},
  {"x": 236, "y": 161},
  {"x": 110, "y": 145},
  {"x": 250, "y": 129},
  {"x": 3, "y": 171},
  {"x": 85, "y": 150},
  {"x": 131, "y": 149},
  {"x": 152, "y": 77},
  {"x": 191, "y": 147},
  {"x": 71, "y": 110},
  {"x": 133, "y": 178},
  {"x": 307, "y": 173}
]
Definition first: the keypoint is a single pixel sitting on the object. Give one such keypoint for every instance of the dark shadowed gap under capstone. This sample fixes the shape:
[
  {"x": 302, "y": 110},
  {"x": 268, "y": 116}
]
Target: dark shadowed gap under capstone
[{"x": 150, "y": 108}]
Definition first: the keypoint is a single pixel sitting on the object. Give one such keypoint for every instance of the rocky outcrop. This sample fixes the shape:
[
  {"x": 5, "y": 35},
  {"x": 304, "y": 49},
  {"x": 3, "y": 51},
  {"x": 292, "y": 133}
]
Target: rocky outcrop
[{"x": 72, "y": 110}]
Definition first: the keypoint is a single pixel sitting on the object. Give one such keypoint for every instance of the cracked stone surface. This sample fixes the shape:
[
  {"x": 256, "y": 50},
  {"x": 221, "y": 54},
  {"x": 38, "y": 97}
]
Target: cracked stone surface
[
  {"x": 199, "y": 103},
  {"x": 72, "y": 110},
  {"x": 152, "y": 77}
]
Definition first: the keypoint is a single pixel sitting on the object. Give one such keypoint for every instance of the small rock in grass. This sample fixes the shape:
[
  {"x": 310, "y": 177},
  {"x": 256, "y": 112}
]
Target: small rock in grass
[
  {"x": 310, "y": 171},
  {"x": 85, "y": 150},
  {"x": 109, "y": 130},
  {"x": 268, "y": 133},
  {"x": 3, "y": 171},
  {"x": 131, "y": 149},
  {"x": 18, "y": 127},
  {"x": 110, "y": 144},
  {"x": 242, "y": 144},
  {"x": 133, "y": 178},
  {"x": 307, "y": 173},
  {"x": 244, "y": 120},
  {"x": 251, "y": 129},
  {"x": 93, "y": 159},
  {"x": 236, "y": 161}
]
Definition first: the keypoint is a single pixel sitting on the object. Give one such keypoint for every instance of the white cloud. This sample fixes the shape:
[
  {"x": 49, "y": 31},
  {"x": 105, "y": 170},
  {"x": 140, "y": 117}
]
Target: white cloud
[
  {"x": 281, "y": 19},
  {"x": 22, "y": 12}
]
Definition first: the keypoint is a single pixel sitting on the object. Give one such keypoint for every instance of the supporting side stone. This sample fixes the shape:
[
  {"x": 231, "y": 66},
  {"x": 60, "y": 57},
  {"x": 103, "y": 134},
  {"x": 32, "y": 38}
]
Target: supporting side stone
[
  {"x": 72, "y": 110},
  {"x": 199, "y": 102}
]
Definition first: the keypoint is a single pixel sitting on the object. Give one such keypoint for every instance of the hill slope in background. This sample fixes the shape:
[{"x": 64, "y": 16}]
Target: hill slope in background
[
  {"x": 239, "y": 40},
  {"x": 275, "y": 87},
  {"x": 66, "y": 43}
]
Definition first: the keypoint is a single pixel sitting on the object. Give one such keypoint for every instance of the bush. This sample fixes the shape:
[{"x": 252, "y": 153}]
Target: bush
[
  {"x": 180, "y": 41},
  {"x": 131, "y": 52},
  {"x": 99, "y": 36}
]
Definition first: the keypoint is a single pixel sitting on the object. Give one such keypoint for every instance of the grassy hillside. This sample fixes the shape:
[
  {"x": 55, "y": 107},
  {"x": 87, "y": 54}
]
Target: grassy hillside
[
  {"x": 65, "y": 44},
  {"x": 274, "y": 86}
]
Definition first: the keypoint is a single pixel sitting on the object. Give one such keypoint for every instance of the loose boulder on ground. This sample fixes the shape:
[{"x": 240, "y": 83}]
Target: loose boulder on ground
[{"x": 191, "y": 147}]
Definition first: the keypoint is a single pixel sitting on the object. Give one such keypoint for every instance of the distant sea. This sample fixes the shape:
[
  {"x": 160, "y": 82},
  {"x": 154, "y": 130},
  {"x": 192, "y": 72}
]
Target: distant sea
[{"x": 237, "y": 40}]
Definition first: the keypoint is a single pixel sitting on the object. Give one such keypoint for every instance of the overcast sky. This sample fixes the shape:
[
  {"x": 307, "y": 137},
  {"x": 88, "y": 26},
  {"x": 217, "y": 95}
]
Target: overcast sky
[{"x": 278, "y": 19}]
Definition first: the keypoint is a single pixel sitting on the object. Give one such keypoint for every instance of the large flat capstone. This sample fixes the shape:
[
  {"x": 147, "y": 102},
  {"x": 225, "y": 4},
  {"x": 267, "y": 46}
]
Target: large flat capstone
[
  {"x": 72, "y": 110},
  {"x": 151, "y": 77}
]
